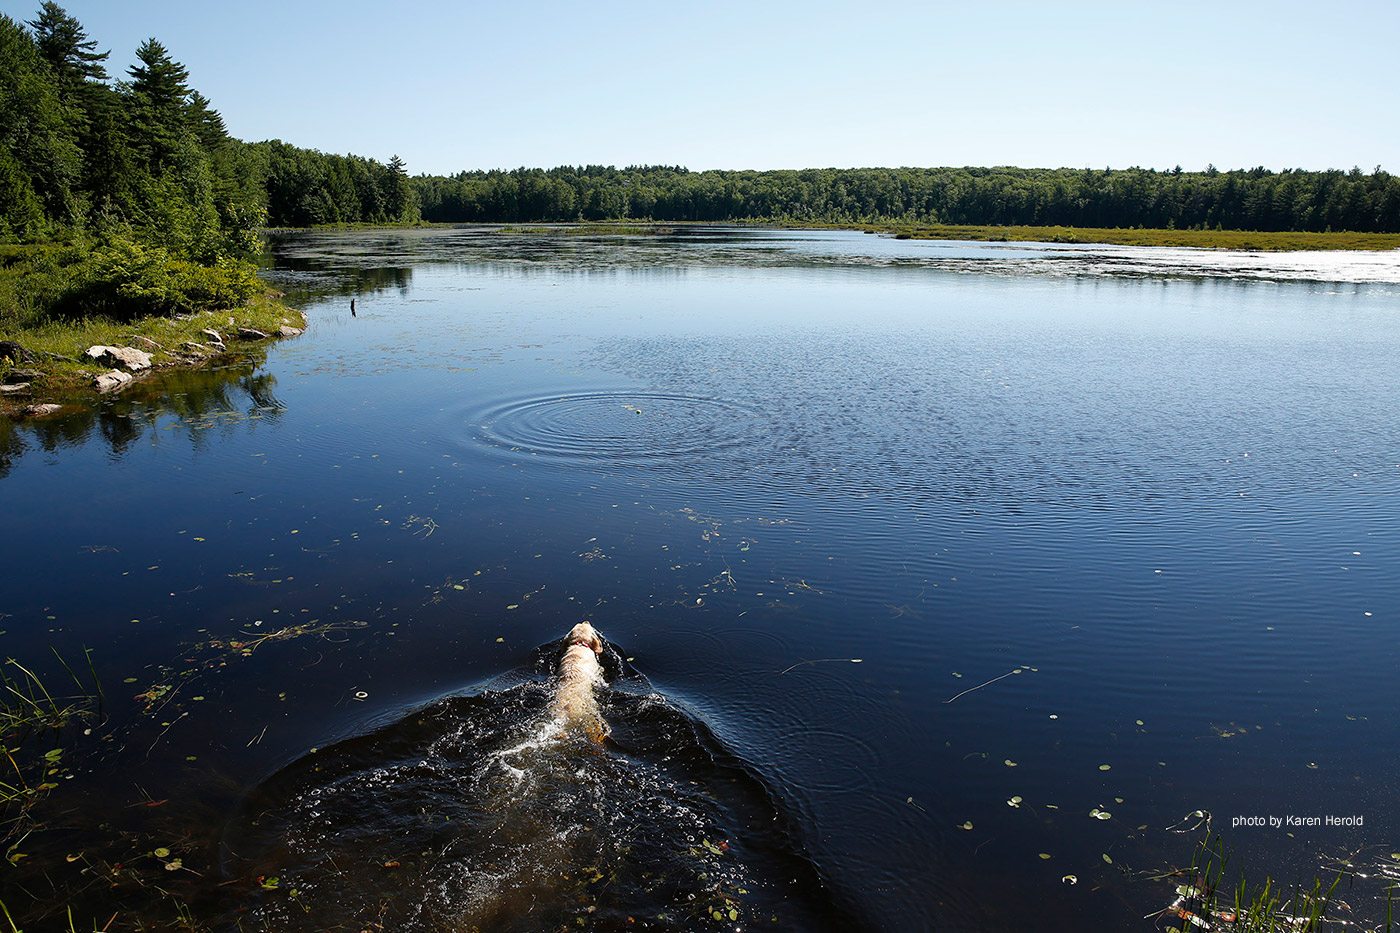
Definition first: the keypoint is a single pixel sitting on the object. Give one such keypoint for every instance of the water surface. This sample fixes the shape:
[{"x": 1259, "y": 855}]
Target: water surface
[{"x": 933, "y": 574}]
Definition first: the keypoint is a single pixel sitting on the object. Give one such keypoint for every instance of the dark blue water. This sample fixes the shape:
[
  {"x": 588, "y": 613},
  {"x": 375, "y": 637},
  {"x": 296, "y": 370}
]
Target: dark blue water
[{"x": 933, "y": 574}]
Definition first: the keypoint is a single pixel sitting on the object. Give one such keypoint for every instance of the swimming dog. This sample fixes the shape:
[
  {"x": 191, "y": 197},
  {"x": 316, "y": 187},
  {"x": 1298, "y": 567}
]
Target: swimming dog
[{"x": 578, "y": 678}]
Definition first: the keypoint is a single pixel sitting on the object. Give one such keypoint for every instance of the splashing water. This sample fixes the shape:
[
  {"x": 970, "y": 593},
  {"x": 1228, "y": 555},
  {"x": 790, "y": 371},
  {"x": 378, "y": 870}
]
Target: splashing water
[{"x": 487, "y": 812}]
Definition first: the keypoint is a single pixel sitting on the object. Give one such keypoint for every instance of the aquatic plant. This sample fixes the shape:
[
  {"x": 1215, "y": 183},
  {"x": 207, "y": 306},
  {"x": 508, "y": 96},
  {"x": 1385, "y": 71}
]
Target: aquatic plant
[
  {"x": 1204, "y": 902},
  {"x": 31, "y": 719}
]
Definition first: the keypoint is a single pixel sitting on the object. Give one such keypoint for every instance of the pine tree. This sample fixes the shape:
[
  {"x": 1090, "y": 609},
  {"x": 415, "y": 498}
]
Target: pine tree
[
  {"x": 158, "y": 96},
  {"x": 37, "y": 133},
  {"x": 66, "y": 47}
]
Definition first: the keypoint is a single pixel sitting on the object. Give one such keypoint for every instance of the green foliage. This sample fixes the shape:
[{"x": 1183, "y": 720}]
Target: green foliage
[
  {"x": 1257, "y": 199},
  {"x": 158, "y": 206},
  {"x": 305, "y": 187},
  {"x": 120, "y": 279},
  {"x": 126, "y": 279},
  {"x": 65, "y": 46},
  {"x": 38, "y": 152}
]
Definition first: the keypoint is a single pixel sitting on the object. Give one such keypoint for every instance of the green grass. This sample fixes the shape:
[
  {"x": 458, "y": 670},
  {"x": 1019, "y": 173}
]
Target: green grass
[
  {"x": 615, "y": 228},
  {"x": 1123, "y": 236},
  {"x": 32, "y": 720},
  {"x": 58, "y": 299},
  {"x": 1206, "y": 239},
  {"x": 1202, "y": 902}
]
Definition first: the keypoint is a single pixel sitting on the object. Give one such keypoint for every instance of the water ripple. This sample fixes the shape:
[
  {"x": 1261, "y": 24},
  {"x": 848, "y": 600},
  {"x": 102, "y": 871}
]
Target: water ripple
[{"x": 618, "y": 427}]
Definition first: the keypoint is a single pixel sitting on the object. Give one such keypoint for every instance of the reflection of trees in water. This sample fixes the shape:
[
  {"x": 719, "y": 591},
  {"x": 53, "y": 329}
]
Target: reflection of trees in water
[
  {"x": 308, "y": 278},
  {"x": 200, "y": 399}
]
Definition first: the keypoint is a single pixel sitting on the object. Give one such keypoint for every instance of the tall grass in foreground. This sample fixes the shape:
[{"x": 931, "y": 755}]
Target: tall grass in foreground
[
  {"x": 31, "y": 720},
  {"x": 1254, "y": 906}
]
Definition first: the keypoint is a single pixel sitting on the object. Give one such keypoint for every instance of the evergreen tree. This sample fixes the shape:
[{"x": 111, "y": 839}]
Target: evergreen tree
[
  {"x": 158, "y": 96},
  {"x": 207, "y": 124},
  {"x": 66, "y": 47},
  {"x": 40, "y": 154}
]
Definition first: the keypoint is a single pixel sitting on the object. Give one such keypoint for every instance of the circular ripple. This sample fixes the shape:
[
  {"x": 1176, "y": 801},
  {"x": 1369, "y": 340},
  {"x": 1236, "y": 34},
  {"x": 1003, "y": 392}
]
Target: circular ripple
[{"x": 619, "y": 427}]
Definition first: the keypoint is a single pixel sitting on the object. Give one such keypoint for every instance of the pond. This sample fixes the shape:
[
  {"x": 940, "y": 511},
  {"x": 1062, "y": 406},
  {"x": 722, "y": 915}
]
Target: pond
[{"x": 942, "y": 585}]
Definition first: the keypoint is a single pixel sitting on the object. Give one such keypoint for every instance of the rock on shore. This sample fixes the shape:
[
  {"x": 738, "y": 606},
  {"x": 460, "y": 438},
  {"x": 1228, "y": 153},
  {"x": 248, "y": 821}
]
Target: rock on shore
[{"x": 128, "y": 358}]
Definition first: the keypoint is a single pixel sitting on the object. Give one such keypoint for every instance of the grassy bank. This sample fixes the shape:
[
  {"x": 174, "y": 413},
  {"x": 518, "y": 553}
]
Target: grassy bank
[
  {"x": 57, "y": 299},
  {"x": 1128, "y": 236},
  {"x": 1203, "y": 239}
]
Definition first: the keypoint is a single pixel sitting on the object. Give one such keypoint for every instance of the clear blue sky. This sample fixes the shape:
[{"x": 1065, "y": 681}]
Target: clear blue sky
[{"x": 462, "y": 85}]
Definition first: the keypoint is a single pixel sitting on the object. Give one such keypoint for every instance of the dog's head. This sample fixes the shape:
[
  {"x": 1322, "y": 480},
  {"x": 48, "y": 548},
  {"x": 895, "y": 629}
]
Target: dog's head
[{"x": 584, "y": 634}]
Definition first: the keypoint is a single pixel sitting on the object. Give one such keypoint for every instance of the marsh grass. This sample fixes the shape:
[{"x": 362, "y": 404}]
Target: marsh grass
[
  {"x": 32, "y": 720},
  {"x": 1203, "y": 902},
  {"x": 1119, "y": 236},
  {"x": 57, "y": 346},
  {"x": 616, "y": 228},
  {"x": 59, "y": 298},
  {"x": 1203, "y": 239}
]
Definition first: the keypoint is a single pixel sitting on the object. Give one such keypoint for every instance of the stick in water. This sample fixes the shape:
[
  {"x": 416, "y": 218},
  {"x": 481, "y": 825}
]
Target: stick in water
[
  {"x": 980, "y": 686},
  {"x": 818, "y": 661}
]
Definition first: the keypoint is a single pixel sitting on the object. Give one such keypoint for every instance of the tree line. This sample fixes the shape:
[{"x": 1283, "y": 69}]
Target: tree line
[
  {"x": 149, "y": 154},
  {"x": 1256, "y": 199}
]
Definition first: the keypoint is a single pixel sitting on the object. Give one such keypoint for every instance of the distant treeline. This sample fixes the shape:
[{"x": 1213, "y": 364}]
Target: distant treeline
[
  {"x": 149, "y": 154},
  {"x": 1257, "y": 199}
]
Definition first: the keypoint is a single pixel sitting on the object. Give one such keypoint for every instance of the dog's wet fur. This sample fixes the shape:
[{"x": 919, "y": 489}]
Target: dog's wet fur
[{"x": 577, "y": 680}]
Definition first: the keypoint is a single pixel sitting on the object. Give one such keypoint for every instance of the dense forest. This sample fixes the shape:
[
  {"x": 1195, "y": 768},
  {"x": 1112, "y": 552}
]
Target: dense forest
[
  {"x": 124, "y": 198},
  {"x": 1256, "y": 199},
  {"x": 150, "y": 152},
  {"x": 148, "y": 158}
]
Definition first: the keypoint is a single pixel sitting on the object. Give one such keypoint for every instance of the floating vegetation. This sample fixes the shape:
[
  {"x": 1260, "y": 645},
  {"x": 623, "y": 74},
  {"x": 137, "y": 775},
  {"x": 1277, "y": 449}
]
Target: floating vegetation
[
  {"x": 987, "y": 683},
  {"x": 214, "y": 654}
]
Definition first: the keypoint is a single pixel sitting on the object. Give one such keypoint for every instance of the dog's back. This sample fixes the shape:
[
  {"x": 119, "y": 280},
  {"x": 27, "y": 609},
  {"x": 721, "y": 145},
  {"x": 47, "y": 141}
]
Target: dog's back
[{"x": 579, "y": 676}]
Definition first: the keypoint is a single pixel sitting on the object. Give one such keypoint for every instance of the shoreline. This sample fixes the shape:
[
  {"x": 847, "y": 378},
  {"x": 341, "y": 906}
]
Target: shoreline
[
  {"x": 48, "y": 371},
  {"x": 1246, "y": 240}
]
